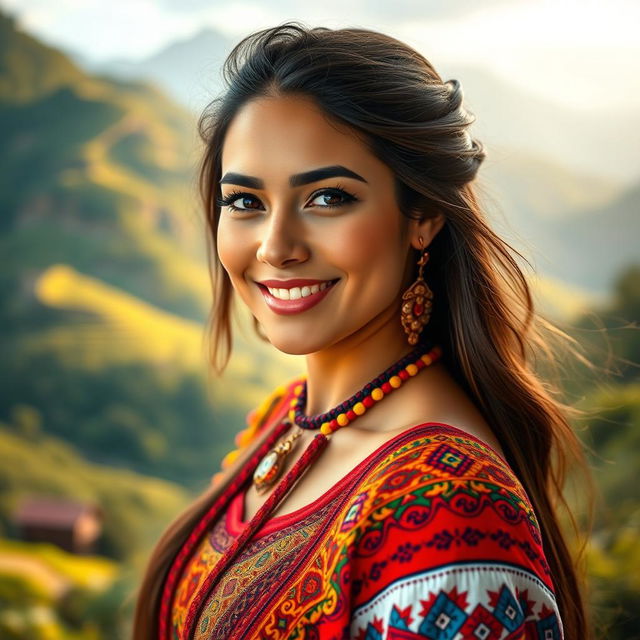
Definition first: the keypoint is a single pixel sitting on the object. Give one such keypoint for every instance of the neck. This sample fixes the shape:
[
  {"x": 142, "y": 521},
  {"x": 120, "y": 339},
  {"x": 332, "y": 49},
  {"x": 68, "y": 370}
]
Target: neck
[{"x": 337, "y": 372}]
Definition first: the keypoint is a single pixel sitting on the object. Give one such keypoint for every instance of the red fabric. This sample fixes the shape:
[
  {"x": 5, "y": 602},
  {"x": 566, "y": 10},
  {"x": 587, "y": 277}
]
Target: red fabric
[
  {"x": 432, "y": 536},
  {"x": 235, "y": 516}
]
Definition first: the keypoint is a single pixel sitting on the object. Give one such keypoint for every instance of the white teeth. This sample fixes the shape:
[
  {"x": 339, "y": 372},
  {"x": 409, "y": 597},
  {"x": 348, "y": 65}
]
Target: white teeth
[{"x": 297, "y": 292}]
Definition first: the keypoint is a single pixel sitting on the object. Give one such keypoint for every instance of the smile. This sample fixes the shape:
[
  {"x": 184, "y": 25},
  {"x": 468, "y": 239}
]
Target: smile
[
  {"x": 295, "y": 299},
  {"x": 294, "y": 293}
]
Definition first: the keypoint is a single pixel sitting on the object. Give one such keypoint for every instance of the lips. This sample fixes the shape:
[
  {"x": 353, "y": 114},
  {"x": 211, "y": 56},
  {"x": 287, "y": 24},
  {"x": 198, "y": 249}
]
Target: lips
[{"x": 289, "y": 307}]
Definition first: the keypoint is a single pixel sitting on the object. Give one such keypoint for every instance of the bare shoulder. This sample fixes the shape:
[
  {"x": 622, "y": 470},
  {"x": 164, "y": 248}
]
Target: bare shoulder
[
  {"x": 433, "y": 396},
  {"x": 472, "y": 424}
]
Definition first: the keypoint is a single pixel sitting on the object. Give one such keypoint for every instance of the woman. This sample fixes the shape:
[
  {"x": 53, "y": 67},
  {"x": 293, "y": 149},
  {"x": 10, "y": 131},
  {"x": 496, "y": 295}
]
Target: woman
[{"x": 403, "y": 487}]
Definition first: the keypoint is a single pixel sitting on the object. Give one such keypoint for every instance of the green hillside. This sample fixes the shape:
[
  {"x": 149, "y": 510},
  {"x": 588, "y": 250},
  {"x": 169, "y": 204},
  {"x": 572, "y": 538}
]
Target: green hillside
[
  {"x": 97, "y": 173},
  {"x": 104, "y": 287},
  {"x": 29, "y": 69},
  {"x": 125, "y": 381},
  {"x": 32, "y": 462},
  {"x": 115, "y": 327},
  {"x": 48, "y": 593},
  {"x": 613, "y": 550},
  {"x": 103, "y": 296}
]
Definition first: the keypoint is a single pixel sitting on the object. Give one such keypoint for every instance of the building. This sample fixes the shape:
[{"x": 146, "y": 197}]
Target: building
[{"x": 72, "y": 525}]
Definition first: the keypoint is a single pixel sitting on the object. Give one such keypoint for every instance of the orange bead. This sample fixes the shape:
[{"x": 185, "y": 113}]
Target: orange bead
[{"x": 377, "y": 394}]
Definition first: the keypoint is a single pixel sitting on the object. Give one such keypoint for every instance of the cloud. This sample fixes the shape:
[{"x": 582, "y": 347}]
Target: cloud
[
  {"x": 584, "y": 52},
  {"x": 371, "y": 9}
]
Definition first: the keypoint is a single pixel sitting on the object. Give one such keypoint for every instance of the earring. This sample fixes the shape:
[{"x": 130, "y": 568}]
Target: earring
[{"x": 416, "y": 307}]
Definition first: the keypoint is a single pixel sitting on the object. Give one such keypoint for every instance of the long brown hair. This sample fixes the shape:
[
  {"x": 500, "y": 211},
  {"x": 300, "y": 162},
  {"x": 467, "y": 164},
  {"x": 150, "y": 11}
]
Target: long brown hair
[{"x": 483, "y": 313}]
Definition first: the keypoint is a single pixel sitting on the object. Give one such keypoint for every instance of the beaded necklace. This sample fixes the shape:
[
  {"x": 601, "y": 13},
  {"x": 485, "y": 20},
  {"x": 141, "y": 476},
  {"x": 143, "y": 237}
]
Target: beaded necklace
[{"x": 270, "y": 467}]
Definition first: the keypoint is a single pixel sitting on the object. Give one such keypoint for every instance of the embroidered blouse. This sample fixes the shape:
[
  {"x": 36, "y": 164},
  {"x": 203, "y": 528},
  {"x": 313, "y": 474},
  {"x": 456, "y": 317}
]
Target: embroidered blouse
[{"x": 431, "y": 536}]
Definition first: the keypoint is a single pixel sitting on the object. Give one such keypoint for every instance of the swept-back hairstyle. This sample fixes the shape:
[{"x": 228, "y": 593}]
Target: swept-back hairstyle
[{"x": 483, "y": 313}]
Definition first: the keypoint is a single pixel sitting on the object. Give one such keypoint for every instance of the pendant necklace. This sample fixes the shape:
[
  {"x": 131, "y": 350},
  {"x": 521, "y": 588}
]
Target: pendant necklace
[{"x": 272, "y": 464}]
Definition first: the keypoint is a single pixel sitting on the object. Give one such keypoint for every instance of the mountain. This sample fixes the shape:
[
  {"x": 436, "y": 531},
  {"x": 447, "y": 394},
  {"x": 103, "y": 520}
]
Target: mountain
[
  {"x": 604, "y": 239},
  {"x": 77, "y": 595},
  {"x": 96, "y": 173},
  {"x": 29, "y": 69},
  {"x": 546, "y": 165},
  {"x": 603, "y": 142},
  {"x": 104, "y": 288},
  {"x": 106, "y": 327},
  {"x": 33, "y": 463},
  {"x": 188, "y": 69},
  {"x": 587, "y": 243},
  {"x": 579, "y": 229}
]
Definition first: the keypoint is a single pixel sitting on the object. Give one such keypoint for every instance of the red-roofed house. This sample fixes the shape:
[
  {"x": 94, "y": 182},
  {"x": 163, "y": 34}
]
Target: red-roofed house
[{"x": 72, "y": 525}]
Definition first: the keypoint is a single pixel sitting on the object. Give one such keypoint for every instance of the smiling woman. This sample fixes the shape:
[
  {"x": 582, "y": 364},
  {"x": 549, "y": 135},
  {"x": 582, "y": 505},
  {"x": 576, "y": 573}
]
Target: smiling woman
[
  {"x": 406, "y": 485},
  {"x": 306, "y": 225}
]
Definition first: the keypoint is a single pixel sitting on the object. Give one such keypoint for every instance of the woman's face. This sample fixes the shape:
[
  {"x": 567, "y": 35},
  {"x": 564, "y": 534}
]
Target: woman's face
[{"x": 284, "y": 227}]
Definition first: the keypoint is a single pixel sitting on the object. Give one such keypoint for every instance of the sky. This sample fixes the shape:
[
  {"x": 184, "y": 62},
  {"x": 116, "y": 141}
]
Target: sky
[{"x": 582, "y": 54}]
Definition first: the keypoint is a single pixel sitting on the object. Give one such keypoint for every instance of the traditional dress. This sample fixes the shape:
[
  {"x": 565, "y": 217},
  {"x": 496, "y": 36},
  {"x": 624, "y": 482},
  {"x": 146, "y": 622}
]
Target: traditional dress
[{"x": 431, "y": 536}]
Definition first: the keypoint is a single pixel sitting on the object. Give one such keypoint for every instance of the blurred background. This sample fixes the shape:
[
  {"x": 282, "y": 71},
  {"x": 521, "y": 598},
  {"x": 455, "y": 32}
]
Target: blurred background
[{"x": 109, "y": 421}]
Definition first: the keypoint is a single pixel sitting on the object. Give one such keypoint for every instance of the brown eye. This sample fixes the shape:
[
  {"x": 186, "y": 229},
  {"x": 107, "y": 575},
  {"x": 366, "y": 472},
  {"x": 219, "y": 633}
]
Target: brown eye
[
  {"x": 233, "y": 198},
  {"x": 331, "y": 198}
]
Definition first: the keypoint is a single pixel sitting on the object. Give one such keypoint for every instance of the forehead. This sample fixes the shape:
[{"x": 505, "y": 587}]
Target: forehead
[{"x": 289, "y": 133}]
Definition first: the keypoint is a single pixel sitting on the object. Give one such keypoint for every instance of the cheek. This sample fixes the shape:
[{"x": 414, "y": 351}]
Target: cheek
[
  {"x": 230, "y": 250},
  {"x": 369, "y": 244}
]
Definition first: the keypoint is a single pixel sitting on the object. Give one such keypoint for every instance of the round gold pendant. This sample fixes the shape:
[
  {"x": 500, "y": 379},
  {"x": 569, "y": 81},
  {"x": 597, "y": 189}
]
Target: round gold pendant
[{"x": 270, "y": 467}]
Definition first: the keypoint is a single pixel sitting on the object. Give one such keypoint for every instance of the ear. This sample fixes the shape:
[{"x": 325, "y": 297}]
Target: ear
[{"x": 428, "y": 228}]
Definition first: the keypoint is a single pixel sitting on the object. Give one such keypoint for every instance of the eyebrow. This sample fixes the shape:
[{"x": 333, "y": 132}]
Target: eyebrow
[{"x": 296, "y": 180}]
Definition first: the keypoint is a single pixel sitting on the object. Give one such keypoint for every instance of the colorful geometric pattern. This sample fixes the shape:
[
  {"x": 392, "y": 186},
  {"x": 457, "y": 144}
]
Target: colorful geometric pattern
[
  {"x": 467, "y": 600},
  {"x": 432, "y": 536}
]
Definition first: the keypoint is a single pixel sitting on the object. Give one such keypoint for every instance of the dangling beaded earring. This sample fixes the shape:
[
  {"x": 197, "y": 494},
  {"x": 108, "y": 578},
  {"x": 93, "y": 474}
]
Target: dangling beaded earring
[{"x": 416, "y": 306}]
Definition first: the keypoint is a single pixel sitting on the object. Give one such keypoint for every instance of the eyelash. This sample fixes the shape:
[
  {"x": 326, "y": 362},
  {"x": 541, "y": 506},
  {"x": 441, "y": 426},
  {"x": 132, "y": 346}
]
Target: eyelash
[{"x": 234, "y": 195}]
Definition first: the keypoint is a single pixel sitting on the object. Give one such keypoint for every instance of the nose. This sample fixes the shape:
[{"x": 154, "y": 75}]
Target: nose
[{"x": 282, "y": 242}]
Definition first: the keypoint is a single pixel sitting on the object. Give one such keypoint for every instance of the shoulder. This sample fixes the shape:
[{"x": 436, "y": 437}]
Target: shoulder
[
  {"x": 259, "y": 417},
  {"x": 443, "y": 521},
  {"x": 447, "y": 462},
  {"x": 439, "y": 479}
]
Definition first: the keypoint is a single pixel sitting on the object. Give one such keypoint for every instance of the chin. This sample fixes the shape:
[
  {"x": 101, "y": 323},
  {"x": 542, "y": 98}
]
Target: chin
[
  {"x": 293, "y": 348},
  {"x": 292, "y": 344}
]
